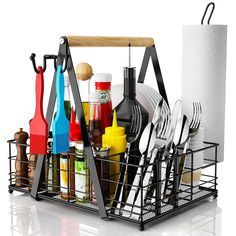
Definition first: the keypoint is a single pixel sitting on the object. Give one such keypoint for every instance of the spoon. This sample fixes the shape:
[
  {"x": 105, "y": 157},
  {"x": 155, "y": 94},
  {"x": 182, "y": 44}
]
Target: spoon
[
  {"x": 147, "y": 140},
  {"x": 146, "y": 145},
  {"x": 182, "y": 131},
  {"x": 180, "y": 137}
]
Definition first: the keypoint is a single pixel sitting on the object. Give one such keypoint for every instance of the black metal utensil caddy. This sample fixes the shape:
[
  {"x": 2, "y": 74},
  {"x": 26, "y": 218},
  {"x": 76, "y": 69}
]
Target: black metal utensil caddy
[{"x": 152, "y": 207}]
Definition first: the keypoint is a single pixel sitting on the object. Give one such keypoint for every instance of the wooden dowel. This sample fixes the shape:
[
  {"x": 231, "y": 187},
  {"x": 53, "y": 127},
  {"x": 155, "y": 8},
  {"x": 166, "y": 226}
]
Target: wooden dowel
[{"x": 99, "y": 41}]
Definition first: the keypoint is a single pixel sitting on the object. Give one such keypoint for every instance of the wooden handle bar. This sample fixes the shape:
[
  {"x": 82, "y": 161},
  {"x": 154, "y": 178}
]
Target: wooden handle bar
[{"x": 99, "y": 41}]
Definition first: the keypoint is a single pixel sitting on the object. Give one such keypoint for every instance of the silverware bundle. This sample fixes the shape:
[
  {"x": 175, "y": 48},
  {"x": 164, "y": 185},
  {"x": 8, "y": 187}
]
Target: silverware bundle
[{"x": 160, "y": 139}]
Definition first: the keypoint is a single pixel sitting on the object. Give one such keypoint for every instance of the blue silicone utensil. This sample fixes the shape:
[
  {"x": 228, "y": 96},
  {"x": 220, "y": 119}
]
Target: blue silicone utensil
[{"x": 60, "y": 125}]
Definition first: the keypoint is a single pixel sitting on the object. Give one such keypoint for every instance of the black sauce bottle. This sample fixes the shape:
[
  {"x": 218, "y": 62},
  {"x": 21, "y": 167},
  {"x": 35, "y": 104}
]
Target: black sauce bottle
[{"x": 124, "y": 114}]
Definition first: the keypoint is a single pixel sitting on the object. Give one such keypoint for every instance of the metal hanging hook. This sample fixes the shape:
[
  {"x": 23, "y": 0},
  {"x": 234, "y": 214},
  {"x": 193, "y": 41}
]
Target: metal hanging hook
[
  {"x": 45, "y": 58},
  {"x": 32, "y": 58},
  {"x": 213, "y": 8}
]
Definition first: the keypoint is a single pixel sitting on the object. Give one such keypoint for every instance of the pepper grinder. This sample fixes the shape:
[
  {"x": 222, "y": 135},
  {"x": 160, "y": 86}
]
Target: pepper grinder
[{"x": 21, "y": 163}]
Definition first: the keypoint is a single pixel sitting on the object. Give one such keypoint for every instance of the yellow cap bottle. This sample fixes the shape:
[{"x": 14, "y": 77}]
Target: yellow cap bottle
[{"x": 115, "y": 138}]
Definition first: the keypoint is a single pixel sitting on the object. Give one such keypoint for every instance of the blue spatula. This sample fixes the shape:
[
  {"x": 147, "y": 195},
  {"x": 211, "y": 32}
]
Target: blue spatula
[{"x": 60, "y": 126}]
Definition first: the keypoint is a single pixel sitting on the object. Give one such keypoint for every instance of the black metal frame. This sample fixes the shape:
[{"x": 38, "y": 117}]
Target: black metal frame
[
  {"x": 64, "y": 52},
  {"x": 151, "y": 52},
  {"x": 100, "y": 207}
]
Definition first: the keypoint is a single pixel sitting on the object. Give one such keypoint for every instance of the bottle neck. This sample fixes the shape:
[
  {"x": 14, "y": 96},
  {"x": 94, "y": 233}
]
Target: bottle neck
[
  {"x": 129, "y": 82},
  {"x": 94, "y": 111},
  {"x": 67, "y": 93}
]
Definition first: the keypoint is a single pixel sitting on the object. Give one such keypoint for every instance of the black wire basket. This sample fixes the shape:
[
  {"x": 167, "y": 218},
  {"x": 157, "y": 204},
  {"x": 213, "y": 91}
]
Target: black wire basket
[{"x": 154, "y": 204}]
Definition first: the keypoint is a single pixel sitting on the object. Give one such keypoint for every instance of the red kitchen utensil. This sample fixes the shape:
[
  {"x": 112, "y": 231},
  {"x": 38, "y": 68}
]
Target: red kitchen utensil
[{"x": 38, "y": 125}]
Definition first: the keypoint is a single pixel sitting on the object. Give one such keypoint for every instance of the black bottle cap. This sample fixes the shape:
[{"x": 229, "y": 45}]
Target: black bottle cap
[{"x": 130, "y": 82}]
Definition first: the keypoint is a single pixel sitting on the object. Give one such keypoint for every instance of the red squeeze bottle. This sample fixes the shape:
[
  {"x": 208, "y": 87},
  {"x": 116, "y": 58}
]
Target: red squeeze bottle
[{"x": 103, "y": 88}]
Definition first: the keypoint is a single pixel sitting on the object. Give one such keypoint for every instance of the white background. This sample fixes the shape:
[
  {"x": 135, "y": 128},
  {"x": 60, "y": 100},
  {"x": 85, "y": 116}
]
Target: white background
[{"x": 36, "y": 26}]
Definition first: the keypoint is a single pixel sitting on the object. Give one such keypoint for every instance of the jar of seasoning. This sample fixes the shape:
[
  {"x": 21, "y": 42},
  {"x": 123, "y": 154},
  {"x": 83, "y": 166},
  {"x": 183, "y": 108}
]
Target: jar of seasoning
[
  {"x": 103, "y": 171},
  {"x": 52, "y": 166},
  {"x": 64, "y": 176},
  {"x": 82, "y": 179},
  {"x": 103, "y": 88}
]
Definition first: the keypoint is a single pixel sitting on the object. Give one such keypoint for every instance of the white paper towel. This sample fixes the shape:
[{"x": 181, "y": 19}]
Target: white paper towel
[{"x": 204, "y": 77}]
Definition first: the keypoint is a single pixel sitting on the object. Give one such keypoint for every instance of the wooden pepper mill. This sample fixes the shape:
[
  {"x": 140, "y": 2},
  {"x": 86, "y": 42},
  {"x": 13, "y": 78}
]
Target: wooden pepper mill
[{"x": 21, "y": 164}]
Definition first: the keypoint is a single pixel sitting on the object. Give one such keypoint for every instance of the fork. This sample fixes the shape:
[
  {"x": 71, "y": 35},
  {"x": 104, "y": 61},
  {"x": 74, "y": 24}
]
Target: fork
[
  {"x": 132, "y": 136},
  {"x": 193, "y": 129},
  {"x": 162, "y": 134}
]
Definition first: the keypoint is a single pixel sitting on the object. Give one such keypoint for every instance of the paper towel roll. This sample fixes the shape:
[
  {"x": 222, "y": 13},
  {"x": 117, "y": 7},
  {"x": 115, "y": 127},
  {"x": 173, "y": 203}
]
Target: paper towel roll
[{"x": 204, "y": 76}]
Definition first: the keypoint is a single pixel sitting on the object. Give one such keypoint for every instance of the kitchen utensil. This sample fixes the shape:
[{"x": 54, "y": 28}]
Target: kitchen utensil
[
  {"x": 60, "y": 125},
  {"x": 159, "y": 143},
  {"x": 132, "y": 136},
  {"x": 180, "y": 137},
  {"x": 146, "y": 144},
  {"x": 38, "y": 125},
  {"x": 193, "y": 129},
  {"x": 163, "y": 132},
  {"x": 174, "y": 119},
  {"x": 169, "y": 142}
]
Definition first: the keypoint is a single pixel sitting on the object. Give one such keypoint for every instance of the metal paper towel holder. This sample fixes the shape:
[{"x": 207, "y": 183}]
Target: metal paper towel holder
[{"x": 204, "y": 14}]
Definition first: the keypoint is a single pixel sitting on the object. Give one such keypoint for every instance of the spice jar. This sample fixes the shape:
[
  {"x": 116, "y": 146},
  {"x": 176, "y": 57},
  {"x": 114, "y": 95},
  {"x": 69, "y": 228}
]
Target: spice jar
[{"x": 82, "y": 179}]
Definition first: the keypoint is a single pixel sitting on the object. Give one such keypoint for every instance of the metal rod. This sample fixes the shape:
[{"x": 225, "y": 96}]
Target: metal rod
[
  {"x": 142, "y": 200},
  {"x": 144, "y": 66},
  {"x": 191, "y": 176},
  {"x": 129, "y": 55},
  {"x": 10, "y": 162},
  {"x": 158, "y": 74},
  {"x": 159, "y": 183},
  {"x": 176, "y": 182},
  {"x": 68, "y": 177},
  {"x": 215, "y": 167},
  {"x": 87, "y": 144}
]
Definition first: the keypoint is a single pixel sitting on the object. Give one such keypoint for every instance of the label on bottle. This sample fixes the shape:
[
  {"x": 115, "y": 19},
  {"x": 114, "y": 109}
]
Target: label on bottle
[
  {"x": 49, "y": 174},
  {"x": 82, "y": 182},
  {"x": 104, "y": 95},
  {"x": 64, "y": 175}
]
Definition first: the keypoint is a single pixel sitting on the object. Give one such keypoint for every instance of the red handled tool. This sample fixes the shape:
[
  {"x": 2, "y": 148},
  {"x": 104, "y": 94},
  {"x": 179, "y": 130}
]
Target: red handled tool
[{"x": 38, "y": 125}]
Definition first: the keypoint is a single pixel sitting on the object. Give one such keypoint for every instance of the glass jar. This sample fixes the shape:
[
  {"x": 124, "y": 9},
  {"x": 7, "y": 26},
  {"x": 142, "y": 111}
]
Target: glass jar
[
  {"x": 95, "y": 128},
  {"x": 103, "y": 88}
]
